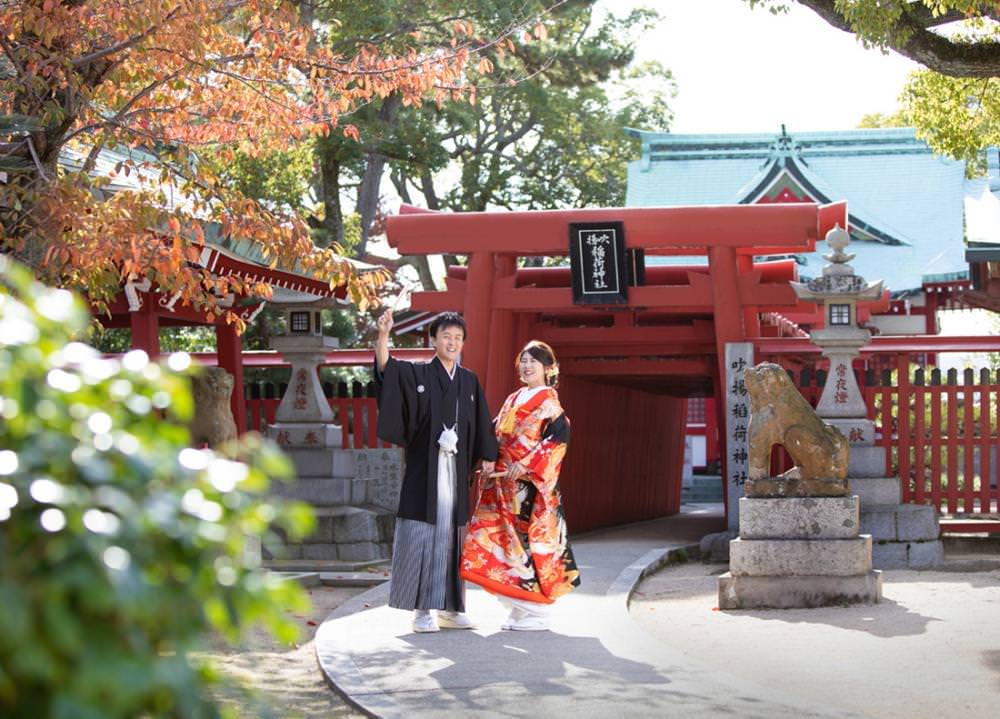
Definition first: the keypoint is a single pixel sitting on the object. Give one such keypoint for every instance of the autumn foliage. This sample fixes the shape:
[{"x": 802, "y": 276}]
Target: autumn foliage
[{"x": 165, "y": 79}]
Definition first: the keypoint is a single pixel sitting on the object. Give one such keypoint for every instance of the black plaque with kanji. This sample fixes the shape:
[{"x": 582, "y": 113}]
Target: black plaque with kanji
[{"x": 597, "y": 261}]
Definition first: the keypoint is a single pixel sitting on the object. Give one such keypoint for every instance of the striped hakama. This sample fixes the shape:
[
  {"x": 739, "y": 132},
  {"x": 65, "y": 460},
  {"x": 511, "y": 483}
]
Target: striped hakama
[{"x": 425, "y": 556}]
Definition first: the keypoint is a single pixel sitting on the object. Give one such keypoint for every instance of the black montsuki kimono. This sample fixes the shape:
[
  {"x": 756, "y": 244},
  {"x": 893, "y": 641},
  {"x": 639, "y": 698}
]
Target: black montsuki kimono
[{"x": 416, "y": 401}]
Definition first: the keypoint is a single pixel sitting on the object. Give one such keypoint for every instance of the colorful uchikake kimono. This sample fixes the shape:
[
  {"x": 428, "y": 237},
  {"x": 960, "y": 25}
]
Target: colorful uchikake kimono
[{"x": 516, "y": 544}]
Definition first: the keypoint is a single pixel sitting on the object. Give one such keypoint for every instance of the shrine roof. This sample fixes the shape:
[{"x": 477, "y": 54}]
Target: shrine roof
[{"x": 905, "y": 202}]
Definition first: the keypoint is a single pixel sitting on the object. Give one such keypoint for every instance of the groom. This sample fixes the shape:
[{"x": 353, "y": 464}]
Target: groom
[{"x": 436, "y": 410}]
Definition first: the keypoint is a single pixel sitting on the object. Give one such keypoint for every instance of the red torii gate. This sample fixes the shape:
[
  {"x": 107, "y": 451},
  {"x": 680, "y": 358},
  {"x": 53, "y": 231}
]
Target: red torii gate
[{"x": 640, "y": 359}]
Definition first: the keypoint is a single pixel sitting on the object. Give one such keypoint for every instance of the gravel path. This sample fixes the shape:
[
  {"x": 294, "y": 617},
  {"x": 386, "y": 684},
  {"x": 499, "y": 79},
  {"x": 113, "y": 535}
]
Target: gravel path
[{"x": 930, "y": 649}]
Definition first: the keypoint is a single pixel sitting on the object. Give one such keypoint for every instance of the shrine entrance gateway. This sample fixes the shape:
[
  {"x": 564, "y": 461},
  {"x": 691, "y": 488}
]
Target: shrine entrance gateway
[{"x": 627, "y": 369}]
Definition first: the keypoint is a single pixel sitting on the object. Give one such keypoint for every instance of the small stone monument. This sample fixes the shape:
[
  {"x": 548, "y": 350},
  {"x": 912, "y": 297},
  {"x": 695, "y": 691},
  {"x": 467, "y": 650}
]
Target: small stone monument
[
  {"x": 798, "y": 543},
  {"x": 905, "y": 535}
]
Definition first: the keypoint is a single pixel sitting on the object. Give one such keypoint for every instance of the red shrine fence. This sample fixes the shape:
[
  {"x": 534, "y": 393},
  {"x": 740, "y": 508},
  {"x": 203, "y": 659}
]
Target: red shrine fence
[{"x": 941, "y": 431}]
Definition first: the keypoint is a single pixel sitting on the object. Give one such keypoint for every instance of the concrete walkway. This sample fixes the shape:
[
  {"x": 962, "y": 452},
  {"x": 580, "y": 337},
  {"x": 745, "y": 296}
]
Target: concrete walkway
[{"x": 596, "y": 662}]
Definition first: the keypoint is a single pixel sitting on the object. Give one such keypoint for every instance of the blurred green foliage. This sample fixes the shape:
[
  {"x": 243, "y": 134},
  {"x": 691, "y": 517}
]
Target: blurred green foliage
[{"x": 122, "y": 547}]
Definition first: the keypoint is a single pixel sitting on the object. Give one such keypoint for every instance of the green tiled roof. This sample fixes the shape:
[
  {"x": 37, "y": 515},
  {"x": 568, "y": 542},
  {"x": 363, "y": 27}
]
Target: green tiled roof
[{"x": 905, "y": 202}]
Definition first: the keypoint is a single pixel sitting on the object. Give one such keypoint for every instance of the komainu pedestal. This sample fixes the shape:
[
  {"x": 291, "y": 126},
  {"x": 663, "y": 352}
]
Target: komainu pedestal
[
  {"x": 799, "y": 542},
  {"x": 799, "y": 552}
]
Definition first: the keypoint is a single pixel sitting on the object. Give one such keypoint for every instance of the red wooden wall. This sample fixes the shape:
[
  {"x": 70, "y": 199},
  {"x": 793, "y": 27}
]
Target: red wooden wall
[{"x": 626, "y": 454}]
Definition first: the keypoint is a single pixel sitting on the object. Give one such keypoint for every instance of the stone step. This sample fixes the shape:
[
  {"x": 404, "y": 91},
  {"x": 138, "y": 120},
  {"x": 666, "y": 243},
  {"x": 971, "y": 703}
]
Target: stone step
[
  {"x": 742, "y": 592},
  {"x": 712, "y": 483},
  {"x": 347, "y": 534},
  {"x": 876, "y": 491},
  {"x": 353, "y": 579},
  {"x": 799, "y": 518},
  {"x": 800, "y": 557},
  {"x": 880, "y": 522},
  {"x": 322, "y": 463},
  {"x": 966, "y": 544},
  {"x": 700, "y": 497},
  {"x": 904, "y": 522},
  {"x": 326, "y": 492},
  {"x": 907, "y": 555},
  {"x": 321, "y": 566},
  {"x": 332, "y": 492},
  {"x": 328, "y": 551},
  {"x": 917, "y": 522},
  {"x": 305, "y": 579}
]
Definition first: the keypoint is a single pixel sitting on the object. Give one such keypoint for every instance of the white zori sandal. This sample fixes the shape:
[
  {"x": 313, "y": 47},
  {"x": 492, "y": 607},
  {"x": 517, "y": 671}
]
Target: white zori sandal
[
  {"x": 423, "y": 621},
  {"x": 454, "y": 620}
]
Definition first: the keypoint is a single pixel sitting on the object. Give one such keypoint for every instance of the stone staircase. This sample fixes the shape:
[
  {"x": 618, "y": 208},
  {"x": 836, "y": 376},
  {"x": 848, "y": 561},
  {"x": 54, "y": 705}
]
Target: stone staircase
[
  {"x": 702, "y": 489},
  {"x": 904, "y": 536},
  {"x": 353, "y": 494}
]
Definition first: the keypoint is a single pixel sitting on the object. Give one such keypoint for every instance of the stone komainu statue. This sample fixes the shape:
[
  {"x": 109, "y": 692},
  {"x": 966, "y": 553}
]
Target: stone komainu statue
[
  {"x": 781, "y": 415},
  {"x": 213, "y": 422}
]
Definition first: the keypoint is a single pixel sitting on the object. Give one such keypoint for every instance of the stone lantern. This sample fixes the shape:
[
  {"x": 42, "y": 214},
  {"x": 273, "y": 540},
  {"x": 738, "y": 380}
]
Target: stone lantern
[
  {"x": 838, "y": 291},
  {"x": 304, "y": 417},
  {"x": 904, "y": 535}
]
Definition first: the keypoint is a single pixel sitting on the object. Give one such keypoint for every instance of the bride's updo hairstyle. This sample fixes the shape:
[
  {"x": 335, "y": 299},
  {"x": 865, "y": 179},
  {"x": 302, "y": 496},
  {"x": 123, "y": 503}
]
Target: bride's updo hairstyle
[{"x": 544, "y": 354}]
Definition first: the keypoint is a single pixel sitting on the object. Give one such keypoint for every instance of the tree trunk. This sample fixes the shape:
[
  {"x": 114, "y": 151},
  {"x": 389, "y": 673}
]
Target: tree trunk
[
  {"x": 423, "y": 268},
  {"x": 368, "y": 193},
  {"x": 418, "y": 262},
  {"x": 329, "y": 192}
]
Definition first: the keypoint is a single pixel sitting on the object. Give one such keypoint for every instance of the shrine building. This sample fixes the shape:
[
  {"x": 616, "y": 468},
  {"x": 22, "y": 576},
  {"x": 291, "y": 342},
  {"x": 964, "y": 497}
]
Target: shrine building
[{"x": 907, "y": 204}]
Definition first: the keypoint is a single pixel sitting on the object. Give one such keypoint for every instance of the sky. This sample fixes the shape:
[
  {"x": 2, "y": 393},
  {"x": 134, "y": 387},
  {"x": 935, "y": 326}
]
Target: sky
[{"x": 743, "y": 70}]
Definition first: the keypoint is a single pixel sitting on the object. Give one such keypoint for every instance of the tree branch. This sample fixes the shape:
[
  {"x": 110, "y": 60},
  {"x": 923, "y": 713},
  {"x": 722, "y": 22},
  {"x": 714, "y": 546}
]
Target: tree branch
[
  {"x": 124, "y": 44},
  {"x": 911, "y": 37}
]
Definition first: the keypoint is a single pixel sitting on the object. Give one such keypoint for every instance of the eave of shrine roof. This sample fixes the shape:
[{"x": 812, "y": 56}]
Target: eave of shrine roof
[{"x": 861, "y": 217}]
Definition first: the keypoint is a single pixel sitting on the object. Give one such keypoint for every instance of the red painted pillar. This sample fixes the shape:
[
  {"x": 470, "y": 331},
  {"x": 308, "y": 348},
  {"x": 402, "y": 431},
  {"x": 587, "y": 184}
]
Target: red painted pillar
[
  {"x": 500, "y": 379},
  {"x": 145, "y": 326},
  {"x": 728, "y": 317},
  {"x": 726, "y": 298},
  {"x": 711, "y": 431},
  {"x": 930, "y": 321},
  {"x": 478, "y": 311},
  {"x": 230, "y": 353},
  {"x": 751, "y": 318}
]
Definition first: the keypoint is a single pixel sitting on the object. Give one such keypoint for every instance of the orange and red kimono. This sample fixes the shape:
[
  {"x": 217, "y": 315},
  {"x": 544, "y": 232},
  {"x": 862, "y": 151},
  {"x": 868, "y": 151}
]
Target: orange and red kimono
[{"x": 516, "y": 545}]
